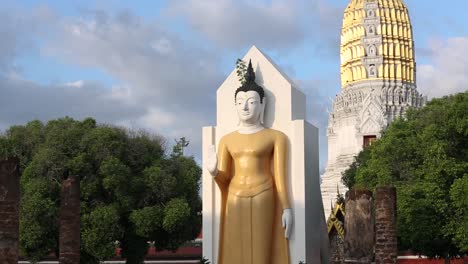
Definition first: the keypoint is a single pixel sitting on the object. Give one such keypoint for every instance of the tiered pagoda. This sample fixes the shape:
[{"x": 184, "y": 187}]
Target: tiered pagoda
[{"x": 378, "y": 80}]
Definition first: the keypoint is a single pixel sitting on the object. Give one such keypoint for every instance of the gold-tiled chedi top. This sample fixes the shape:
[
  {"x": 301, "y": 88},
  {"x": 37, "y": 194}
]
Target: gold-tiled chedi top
[{"x": 377, "y": 42}]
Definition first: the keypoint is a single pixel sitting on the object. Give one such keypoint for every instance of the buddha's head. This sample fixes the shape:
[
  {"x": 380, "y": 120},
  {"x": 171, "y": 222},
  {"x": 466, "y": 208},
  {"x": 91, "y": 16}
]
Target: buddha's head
[{"x": 250, "y": 100}]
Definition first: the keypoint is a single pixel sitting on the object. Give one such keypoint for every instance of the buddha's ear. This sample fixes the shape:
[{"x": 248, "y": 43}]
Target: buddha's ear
[
  {"x": 262, "y": 114},
  {"x": 238, "y": 118}
]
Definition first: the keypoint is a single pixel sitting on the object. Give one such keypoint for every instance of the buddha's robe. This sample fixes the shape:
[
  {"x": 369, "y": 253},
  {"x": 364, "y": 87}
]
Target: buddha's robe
[{"x": 253, "y": 197}]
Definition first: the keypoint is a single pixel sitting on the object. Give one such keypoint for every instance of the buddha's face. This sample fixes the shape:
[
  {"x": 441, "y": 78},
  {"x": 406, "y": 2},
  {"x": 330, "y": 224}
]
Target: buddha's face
[{"x": 249, "y": 107}]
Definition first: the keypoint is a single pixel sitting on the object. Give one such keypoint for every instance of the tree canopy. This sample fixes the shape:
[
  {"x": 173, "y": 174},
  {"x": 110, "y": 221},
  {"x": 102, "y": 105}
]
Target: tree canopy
[
  {"x": 425, "y": 156},
  {"x": 132, "y": 190}
]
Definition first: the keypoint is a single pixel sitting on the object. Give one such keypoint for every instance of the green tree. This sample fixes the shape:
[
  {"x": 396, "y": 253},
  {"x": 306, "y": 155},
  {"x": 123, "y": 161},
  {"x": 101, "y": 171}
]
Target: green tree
[
  {"x": 132, "y": 190},
  {"x": 425, "y": 156}
]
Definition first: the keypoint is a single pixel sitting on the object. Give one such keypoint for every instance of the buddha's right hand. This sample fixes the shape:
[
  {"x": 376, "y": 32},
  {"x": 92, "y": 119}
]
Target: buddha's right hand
[{"x": 211, "y": 161}]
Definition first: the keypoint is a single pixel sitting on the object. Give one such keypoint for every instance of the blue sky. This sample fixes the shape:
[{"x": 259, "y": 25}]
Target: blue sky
[
  {"x": 432, "y": 21},
  {"x": 156, "y": 64}
]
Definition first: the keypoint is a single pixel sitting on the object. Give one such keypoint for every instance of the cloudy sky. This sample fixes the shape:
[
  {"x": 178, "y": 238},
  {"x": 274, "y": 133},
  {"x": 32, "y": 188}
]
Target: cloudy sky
[{"x": 156, "y": 64}]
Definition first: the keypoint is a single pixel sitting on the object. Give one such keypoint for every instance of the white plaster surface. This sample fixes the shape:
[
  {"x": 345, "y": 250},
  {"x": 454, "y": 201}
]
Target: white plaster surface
[
  {"x": 285, "y": 111},
  {"x": 363, "y": 110}
]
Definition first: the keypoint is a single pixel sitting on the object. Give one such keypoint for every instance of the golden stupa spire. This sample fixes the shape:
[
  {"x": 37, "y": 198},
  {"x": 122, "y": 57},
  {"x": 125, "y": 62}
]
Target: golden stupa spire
[{"x": 376, "y": 42}]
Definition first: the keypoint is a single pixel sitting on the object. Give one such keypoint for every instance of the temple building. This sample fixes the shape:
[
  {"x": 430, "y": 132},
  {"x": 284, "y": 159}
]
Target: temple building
[{"x": 378, "y": 80}]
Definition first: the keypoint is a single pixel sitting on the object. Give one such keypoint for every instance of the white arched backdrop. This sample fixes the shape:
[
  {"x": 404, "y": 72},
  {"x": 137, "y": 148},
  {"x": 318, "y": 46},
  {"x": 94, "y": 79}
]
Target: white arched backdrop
[{"x": 285, "y": 111}]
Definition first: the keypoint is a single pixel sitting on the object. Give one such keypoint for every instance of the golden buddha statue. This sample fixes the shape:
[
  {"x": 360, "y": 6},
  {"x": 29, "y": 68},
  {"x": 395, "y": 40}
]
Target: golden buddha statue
[{"x": 255, "y": 205}]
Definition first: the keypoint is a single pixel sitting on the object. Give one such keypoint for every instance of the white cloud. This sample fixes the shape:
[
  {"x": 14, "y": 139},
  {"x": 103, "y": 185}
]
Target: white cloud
[
  {"x": 77, "y": 84},
  {"x": 447, "y": 72},
  {"x": 157, "y": 118},
  {"x": 325, "y": 29},
  {"x": 22, "y": 101},
  {"x": 159, "y": 67},
  {"x": 278, "y": 25},
  {"x": 317, "y": 115},
  {"x": 18, "y": 30},
  {"x": 235, "y": 24},
  {"x": 163, "y": 83},
  {"x": 162, "y": 46}
]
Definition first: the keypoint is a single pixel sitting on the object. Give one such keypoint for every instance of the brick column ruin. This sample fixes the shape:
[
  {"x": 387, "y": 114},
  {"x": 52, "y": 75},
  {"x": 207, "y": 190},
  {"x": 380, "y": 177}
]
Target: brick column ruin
[
  {"x": 69, "y": 241},
  {"x": 359, "y": 226},
  {"x": 9, "y": 210},
  {"x": 386, "y": 250}
]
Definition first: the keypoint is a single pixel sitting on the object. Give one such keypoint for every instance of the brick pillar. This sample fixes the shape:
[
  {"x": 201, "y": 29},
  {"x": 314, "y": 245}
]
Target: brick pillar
[
  {"x": 69, "y": 241},
  {"x": 386, "y": 250},
  {"x": 359, "y": 227},
  {"x": 9, "y": 210}
]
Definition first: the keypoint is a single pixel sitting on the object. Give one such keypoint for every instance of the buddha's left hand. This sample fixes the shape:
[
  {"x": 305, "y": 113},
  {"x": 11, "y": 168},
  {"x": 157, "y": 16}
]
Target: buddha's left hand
[{"x": 287, "y": 220}]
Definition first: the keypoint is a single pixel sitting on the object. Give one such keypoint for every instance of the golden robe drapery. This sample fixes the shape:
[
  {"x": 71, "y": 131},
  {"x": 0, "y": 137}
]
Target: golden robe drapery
[{"x": 253, "y": 198}]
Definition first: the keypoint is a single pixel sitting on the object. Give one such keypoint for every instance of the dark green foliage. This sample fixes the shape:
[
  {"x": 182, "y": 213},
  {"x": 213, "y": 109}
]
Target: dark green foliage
[
  {"x": 99, "y": 231},
  {"x": 241, "y": 70},
  {"x": 458, "y": 225},
  {"x": 348, "y": 176},
  {"x": 132, "y": 191},
  {"x": 39, "y": 210},
  {"x": 426, "y": 158}
]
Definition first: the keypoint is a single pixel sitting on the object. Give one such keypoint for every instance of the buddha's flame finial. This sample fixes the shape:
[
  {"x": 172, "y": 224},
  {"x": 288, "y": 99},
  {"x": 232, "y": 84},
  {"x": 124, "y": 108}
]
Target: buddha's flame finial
[{"x": 250, "y": 75}]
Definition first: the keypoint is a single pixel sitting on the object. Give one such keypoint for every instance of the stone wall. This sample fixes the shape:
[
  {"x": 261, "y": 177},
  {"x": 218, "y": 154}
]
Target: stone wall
[
  {"x": 9, "y": 210},
  {"x": 336, "y": 249},
  {"x": 386, "y": 250},
  {"x": 359, "y": 226},
  {"x": 69, "y": 243}
]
